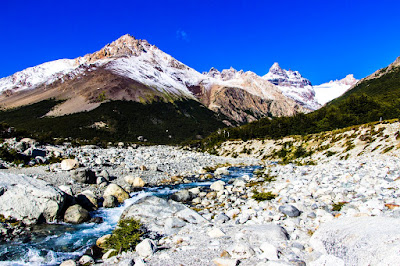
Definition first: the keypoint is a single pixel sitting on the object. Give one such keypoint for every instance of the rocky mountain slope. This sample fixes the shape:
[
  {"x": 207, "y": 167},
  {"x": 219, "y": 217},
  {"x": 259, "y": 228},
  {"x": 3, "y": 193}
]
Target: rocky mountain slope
[
  {"x": 333, "y": 89},
  {"x": 293, "y": 85},
  {"x": 134, "y": 70}
]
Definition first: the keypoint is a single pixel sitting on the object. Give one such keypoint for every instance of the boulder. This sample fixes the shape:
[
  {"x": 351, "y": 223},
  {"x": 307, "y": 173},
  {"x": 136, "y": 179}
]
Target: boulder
[
  {"x": 116, "y": 191},
  {"x": 218, "y": 185},
  {"x": 76, "y": 214},
  {"x": 110, "y": 253},
  {"x": 84, "y": 176},
  {"x": 135, "y": 182},
  {"x": 87, "y": 200},
  {"x": 86, "y": 260},
  {"x": 289, "y": 210},
  {"x": 69, "y": 164},
  {"x": 110, "y": 201},
  {"x": 154, "y": 212},
  {"x": 215, "y": 233},
  {"x": 182, "y": 196},
  {"x": 100, "y": 242},
  {"x": 359, "y": 240},
  {"x": 68, "y": 263},
  {"x": 222, "y": 171},
  {"x": 30, "y": 200},
  {"x": 146, "y": 248}
]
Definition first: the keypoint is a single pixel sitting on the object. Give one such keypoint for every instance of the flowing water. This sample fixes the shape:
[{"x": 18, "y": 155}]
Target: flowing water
[{"x": 50, "y": 244}]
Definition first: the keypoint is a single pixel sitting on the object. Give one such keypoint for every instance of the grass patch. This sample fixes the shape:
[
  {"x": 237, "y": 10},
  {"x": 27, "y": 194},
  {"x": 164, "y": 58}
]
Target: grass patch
[
  {"x": 262, "y": 196},
  {"x": 338, "y": 206}
]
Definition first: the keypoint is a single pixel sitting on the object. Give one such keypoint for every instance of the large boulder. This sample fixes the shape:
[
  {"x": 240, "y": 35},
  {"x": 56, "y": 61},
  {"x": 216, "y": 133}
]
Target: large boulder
[
  {"x": 76, "y": 215},
  {"x": 28, "y": 199},
  {"x": 360, "y": 240},
  {"x": 116, "y": 191},
  {"x": 69, "y": 164},
  {"x": 156, "y": 213},
  {"x": 88, "y": 200}
]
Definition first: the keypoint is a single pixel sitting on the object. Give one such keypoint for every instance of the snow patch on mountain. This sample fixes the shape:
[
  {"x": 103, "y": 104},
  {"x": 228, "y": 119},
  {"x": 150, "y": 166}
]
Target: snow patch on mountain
[
  {"x": 333, "y": 89},
  {"x": 34, "y": 76}
]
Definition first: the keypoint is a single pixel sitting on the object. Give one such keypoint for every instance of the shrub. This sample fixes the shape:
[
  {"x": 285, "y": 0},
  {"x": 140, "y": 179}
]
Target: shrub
[
  {"x": 338, "y": 206},
  {"x": 126, "y": 236},
  {"x": 261, "y": 196}
]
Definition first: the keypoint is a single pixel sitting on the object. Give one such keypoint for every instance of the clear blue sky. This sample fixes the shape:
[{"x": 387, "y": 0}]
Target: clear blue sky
[{"x": 322, "y": 39}]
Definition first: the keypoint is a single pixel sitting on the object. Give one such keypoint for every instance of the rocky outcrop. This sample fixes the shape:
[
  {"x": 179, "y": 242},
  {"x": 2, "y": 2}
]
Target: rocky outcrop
[
  {"x": 162, "y": 216},
  {"x": 30, "y": 200},
  {"x": 360, "y": 240}
]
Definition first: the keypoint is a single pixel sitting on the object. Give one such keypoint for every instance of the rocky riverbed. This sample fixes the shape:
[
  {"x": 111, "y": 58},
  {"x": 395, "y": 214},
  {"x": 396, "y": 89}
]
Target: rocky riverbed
[{"x": 338, "y": 212}]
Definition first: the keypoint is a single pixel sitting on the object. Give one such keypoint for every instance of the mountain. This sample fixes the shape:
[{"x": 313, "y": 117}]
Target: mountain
[
  {"x": 333, "y": 89},
  {"x": 133, "y": 71},
  {"x": 371, "y": 99},
  {"x": 293, "y": 85}
]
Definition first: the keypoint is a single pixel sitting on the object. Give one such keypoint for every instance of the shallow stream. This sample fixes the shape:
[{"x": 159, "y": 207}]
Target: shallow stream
[{"x": 50, "y": 244}]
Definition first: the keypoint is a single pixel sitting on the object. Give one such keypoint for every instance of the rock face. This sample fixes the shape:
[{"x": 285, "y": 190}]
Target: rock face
[
  {"x": 155, "y": 213},
  {"x": 360, "y": 241},
  {"x": 28, "y": 199}
]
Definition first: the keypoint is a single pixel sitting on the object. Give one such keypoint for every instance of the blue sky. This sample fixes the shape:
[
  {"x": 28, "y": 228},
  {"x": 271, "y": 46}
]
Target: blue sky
[{"x": 322, "y": 39}]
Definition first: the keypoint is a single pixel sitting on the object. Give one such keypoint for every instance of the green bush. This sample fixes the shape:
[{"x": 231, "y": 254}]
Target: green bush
[
  {"x": 126, "y": 236},
  {"x": 261, "y": 196}
]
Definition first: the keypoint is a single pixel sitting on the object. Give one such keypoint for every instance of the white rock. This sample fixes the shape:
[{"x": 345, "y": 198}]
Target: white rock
[
  {"x": 221, "y": 171},
  {"x": 86, "y": 260},
  {"x": 360, "y": 241},
  {"x": 215, "y": 233},
  {"x": 327, "y": 260},
  {"x": 241, "y": 251},
  {"x": 69, "y": 164},
  {"x": 225, "y": 262},
  {"x": 116, "y": 191},
  {"x": 270, "y": 252},
  {"x": 146, "y": 248},
  {"x": 218, "y": 185},
  {"x": 134, "y": 181},
  {"x": 68, "y": 263}
]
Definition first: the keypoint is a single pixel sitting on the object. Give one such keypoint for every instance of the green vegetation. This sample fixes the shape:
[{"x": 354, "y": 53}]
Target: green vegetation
[
  {"x": 338, "y": 206},
  {"x": 261, "y": 196},
  {"x": 369, "y": 101},
  {"x": 12, "y": 156},
  {"x": 158, "y": 122},
  {"x": 126, "y": 236}
]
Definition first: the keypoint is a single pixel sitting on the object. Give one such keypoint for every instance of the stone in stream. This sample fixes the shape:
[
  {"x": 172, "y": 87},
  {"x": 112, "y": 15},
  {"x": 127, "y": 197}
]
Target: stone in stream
[
  {"x": 29, "y": 200},
  {"x": 182, "y": 196},
  {"x": 76, "y": 215},
  {"x": 101, "y": 242},
  {"x": 221, "y": 171},
  {"x": 110, "y": 201},
  {"x": 87, "y": 200},
  {"x": 289, "y": 210},
  {"x": 116, "y": 191}
]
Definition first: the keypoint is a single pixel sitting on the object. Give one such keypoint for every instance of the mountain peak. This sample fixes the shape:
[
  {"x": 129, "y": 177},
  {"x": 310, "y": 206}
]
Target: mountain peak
[
  {"x": 124, "y": 46},
  {"x": 275, "y": 66}
]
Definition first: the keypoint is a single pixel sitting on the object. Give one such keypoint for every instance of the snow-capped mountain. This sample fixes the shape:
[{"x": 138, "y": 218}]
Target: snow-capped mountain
[
  {"x": 134, "y": 70},
  {"x": 333, "y": 89},
  {"x": 293, "y": 85}
]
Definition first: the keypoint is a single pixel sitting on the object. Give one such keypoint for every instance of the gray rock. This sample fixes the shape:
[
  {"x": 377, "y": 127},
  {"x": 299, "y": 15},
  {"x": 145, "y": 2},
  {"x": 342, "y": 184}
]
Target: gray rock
[
  {"x": 146, "y": 248},
  {"x": 154, "y": 212},
  {"x": 221, "y": 218},
  {"x": 76, "y": 215},
  {"x": 127, "y": 262},
  {"x": 289, "y": 210},
  {"x": 110, "y": 201},
  {"x": 87, "y": 200},
  {"x": 28, "y": 199},
  {"x": 84, "y": 175},
  {"x": 86, "y": 260},
  {"x": 182, "y": 196}
]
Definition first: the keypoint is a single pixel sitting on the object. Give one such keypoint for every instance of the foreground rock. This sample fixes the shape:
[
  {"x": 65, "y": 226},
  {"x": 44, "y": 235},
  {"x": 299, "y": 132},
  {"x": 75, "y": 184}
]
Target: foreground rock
[
  {"x": 30, "y": 200},
  {"x": 116, "y": 191},
  {"x": 360, "y": 241},
  {"x": 162, "y": 216}
]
